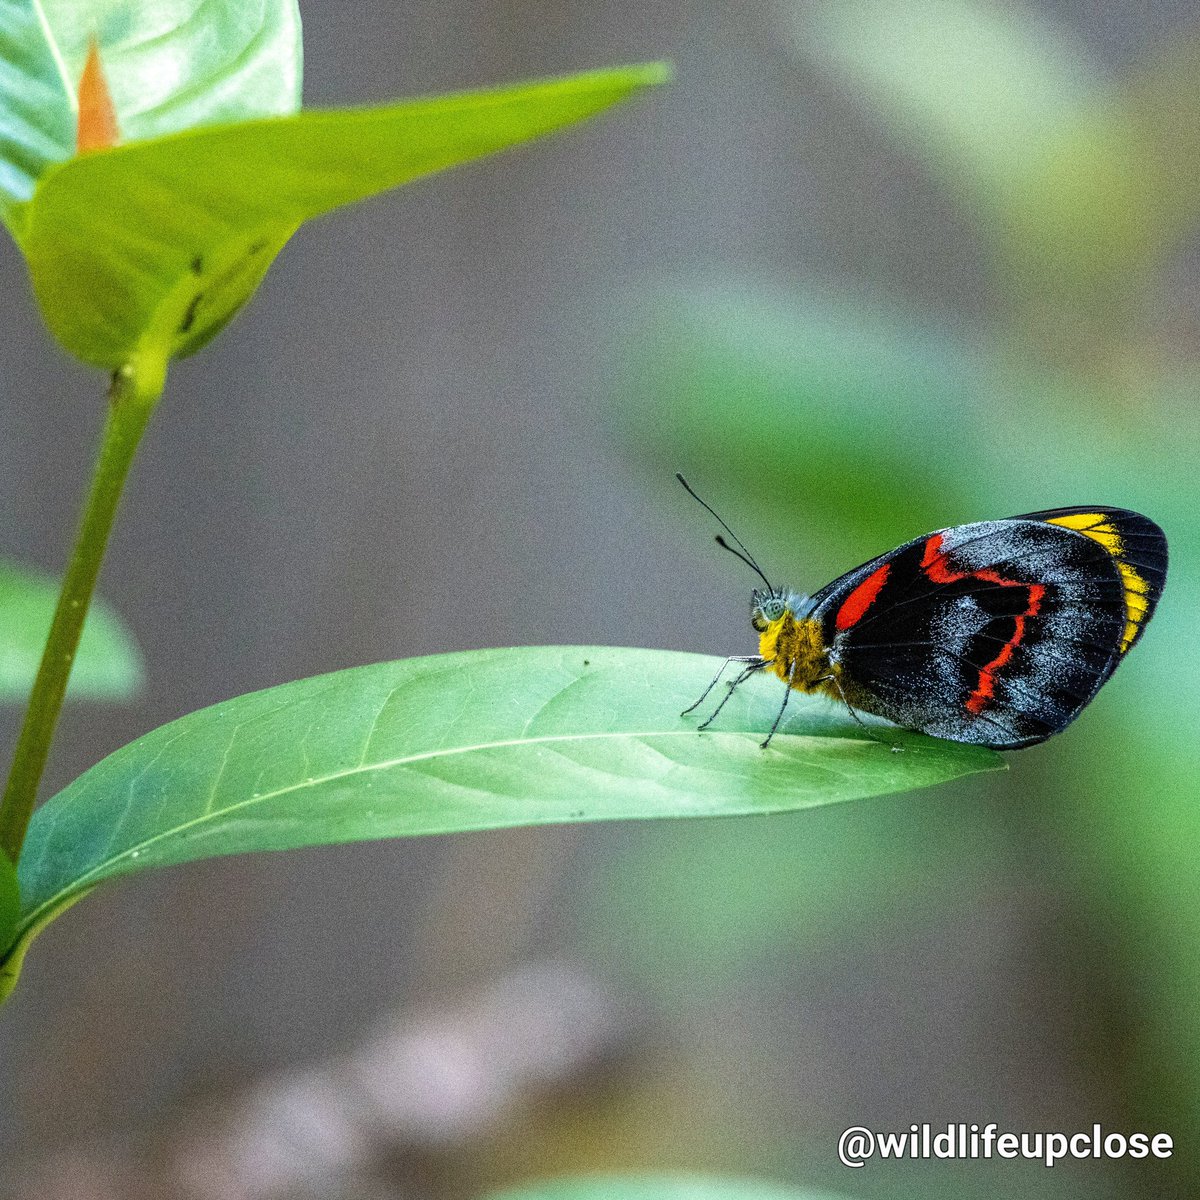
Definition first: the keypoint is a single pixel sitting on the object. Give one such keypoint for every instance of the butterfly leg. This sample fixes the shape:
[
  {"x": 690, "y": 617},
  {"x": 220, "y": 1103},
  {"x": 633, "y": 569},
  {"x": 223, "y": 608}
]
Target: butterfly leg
[
  {"x": 737, "y": 658},
  {"x": 787, "y": 695},
  {"x": 754, "y": 664},
  {"x": 837, "y": 683}
]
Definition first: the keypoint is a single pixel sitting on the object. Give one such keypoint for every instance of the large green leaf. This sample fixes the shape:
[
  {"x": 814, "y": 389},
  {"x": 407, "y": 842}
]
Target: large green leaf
[
  {"x": 658, "y": 1187},
  {"x": 476, "y": 740},
  {"x": 170, "y": 65},
  {"x": 152, "y": 247},
  {"x": 107, "y": 664}
]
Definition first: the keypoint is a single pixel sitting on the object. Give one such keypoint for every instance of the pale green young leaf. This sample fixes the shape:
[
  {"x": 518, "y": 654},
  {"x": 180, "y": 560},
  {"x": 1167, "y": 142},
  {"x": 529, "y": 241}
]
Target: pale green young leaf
[
  {"x": 154, "y": 246},
  {"x": 169, "y": 64}
]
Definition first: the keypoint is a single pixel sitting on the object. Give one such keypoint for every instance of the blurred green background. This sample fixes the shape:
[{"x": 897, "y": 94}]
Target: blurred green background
[{"x": 863, "y": 270}]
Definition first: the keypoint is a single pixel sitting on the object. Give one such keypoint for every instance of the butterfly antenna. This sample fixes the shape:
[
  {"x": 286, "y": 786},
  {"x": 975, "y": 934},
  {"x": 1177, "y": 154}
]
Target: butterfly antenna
[{"x": 744, "y": 554}]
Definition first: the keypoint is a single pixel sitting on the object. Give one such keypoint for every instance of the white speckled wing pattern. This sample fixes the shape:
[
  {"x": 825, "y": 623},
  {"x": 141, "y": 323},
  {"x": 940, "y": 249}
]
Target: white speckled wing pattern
[{"x": 996, "y": 633}]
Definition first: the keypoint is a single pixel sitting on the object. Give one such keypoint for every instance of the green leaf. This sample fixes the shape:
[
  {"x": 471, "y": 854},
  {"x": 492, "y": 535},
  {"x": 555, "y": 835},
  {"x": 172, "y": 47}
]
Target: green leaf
[
  {"x": 658, "y": 1187},
  {"x": 154, "y": 246},
  {"x": 107, "y": 664},
  {"x": 477, "y": 740},
  {"x": 169, "y": 64}
]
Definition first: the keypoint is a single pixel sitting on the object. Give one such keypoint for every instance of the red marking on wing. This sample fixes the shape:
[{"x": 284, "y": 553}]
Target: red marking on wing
[
  {"x": 933, "y": 562},
  {"x": 862, "y": 597},
  {"x": 97, "y": 129},
  {"x": 987, "y": 676},
  {"x": 935, "y": 566}
]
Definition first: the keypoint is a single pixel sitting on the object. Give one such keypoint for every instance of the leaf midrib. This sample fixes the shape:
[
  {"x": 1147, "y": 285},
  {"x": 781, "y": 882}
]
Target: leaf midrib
[
  {"x": 56, "y": 54},
  {"x": 98, "y": 871}
]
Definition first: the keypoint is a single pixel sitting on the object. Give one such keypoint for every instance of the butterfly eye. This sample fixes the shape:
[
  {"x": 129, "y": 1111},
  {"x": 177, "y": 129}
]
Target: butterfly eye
[{"x": 765, "y": 611}]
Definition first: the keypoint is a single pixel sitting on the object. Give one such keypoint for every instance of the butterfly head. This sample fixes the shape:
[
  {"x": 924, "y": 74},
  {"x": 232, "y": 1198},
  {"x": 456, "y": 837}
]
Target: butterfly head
[{"x": 769, "y": 607}]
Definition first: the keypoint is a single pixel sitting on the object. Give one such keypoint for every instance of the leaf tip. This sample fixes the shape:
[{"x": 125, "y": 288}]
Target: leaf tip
[
  {"x": 97, "y": 129},
  {"x": 653, "y": 73}
]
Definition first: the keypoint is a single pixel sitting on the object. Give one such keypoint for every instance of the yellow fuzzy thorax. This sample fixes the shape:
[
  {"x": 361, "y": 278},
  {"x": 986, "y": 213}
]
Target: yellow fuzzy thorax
[{"x": 797, "y": 653}]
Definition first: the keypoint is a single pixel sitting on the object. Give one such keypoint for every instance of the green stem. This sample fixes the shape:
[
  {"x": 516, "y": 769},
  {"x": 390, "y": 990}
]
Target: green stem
[{"x": 135, "y": 391}]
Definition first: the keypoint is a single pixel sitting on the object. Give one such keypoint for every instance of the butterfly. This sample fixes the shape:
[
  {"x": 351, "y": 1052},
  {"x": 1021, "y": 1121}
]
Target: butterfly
[{"x": 996, "y": 633}]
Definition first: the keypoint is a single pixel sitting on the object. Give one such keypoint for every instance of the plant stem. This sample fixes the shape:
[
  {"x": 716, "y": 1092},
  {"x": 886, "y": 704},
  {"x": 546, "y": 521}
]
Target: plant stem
[{"x": 132, "y": 398}]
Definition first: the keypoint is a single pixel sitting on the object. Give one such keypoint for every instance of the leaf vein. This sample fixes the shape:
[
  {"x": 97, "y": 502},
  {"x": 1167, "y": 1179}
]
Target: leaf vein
[{"x": 100, "y": 870}]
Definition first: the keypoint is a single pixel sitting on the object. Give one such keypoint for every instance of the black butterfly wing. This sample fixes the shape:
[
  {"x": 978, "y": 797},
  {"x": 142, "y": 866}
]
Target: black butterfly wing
[
  {"x": 1136, "y": 544},
  {"x": 996, "y": 633}
]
